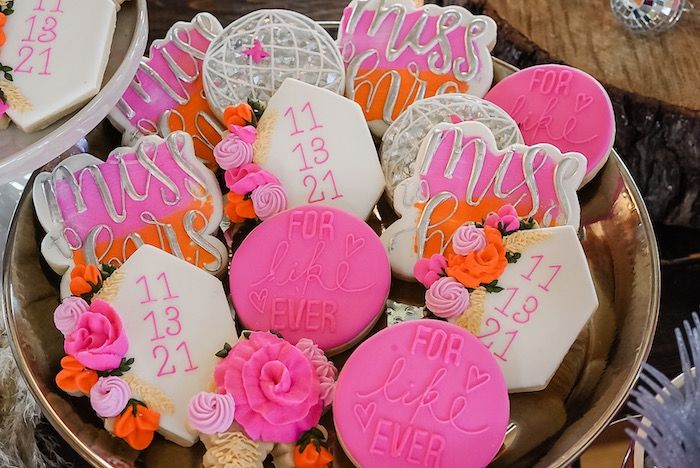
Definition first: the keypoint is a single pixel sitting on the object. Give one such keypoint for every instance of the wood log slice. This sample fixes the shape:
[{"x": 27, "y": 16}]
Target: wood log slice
[{"x": 652, "y": 81}]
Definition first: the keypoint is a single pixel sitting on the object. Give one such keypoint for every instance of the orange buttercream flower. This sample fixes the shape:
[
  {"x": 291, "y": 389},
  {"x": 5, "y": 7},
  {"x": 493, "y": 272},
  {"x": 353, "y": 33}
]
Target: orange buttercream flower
[
  {"x": 3, "y": 20},
  {"x": 75, "y": 377},
  {"x": 481, "y": 267},
  {"x": 240, "y": 115},
  {"x": 312, "y": 456},
  {"x": 239, "y": 208},
  {"x": 137, "y": 425},
  {"x": 84, "y": 278}
]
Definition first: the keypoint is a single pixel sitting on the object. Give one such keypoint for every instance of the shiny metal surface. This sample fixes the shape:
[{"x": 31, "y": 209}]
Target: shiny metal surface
[{"x": 549, "y": 428}]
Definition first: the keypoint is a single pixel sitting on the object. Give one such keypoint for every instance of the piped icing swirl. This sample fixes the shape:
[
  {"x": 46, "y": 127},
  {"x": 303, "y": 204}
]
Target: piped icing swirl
[
  {"x": 210, "y": 413},
  {"x": 109, "y": 396},
  {"x": 233, "y": 152},
  {"x": 447, "y": 298},
  {"x": 325, "y": 369},
  {"x": 468, "y": 239},
  {"x": 268, "y": 200},
  {"x": 68, "y": 313}
]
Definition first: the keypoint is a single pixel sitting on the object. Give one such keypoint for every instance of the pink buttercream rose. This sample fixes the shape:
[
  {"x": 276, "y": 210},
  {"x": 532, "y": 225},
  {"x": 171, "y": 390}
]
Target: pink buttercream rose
[
  {"x": 99, "y": 341},
  {"x": 67, "y": 314},
  {"x": 247, "y": 178},
  {"x": 447, "y": 298},
  {"x": 429, "y": 270},
  {"x": 269, "y": 200},
  {"x": 232, "y": 152},
  {"x": 274, "y": 385},
  {"x": 247, "y": 134},
  {"x": 468, "y": 239},
  {"x": 507, "y": 217}
]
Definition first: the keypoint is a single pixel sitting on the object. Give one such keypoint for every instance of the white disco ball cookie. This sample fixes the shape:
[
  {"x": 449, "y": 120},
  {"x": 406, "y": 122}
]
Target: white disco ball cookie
[
  {"x": 257, "y": 52},
  {"x": 403, "y": 138}
]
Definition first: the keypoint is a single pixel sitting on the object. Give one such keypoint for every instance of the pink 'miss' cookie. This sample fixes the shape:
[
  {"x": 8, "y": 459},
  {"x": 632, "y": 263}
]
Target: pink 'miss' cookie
[
  {"x": 424, "y": 393},
  {"x": 562, "y": 106},
  {"x": 311, "y": 272}
]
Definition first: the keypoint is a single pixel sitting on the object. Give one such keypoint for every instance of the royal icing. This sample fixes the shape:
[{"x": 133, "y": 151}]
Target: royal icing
[
  {"x": 311, "y": 272},
  {"x": 548, "y": 296},
  {"x": 423, "y": 393},
  {"x": 257, "y": 52},
  {"x": 58, "y": 58},
  {"x": 176, "y": 317},
  {"x": 562, "y": 106},
  {"x": 155, "y": 193},
  {"x": 461, "y": 176},
  {"x": 396, "y": 54},
  {"x": 401, "y": 142},
  {"x": 167, "y": 92},
  {"x": 303, "y": 140}
]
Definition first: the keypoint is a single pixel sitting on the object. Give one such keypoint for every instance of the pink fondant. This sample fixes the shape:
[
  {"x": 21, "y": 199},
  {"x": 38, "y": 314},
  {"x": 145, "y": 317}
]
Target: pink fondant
[
  {"x": 429, "y": 270},
  {"x": 423, "y": 393},
  {"x": 245, "y": 179},
  {"x": 311, "y": 272},
  {"x": 562, "y": 106},
  {"x": 274, "y": 385},
  {"x": 506, "y": 218},
  {"x": 149, "y": 107}
]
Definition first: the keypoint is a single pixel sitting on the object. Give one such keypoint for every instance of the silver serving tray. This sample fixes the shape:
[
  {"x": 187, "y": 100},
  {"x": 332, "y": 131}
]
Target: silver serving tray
[{"x": 549, "y": 428}]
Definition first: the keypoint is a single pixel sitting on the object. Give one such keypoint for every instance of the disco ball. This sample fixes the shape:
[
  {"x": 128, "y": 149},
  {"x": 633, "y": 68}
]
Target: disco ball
[{"x": 648, "y": 16}]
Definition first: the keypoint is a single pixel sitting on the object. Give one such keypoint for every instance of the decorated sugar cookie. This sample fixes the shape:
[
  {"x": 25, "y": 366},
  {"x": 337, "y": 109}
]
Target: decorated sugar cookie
[
  {"x": 52, "y": 59},
  {"x": 461, "y": 177},
  {"x": 396, "y": 53},
  {"x": 167, "y": 93},
  {"x": 141, "y": 343},
  {"x": 507, "y": 283},
  {"x": 155, "y": 193},
  {"x": 423, "y": 393},
  {"x": 257, "y": 52},
  {"x": 562, "y": 106},
  {"x": 402, "y": 139},
  {"x": 311, "y": 272},
  {"x": 317, "y": 144}
]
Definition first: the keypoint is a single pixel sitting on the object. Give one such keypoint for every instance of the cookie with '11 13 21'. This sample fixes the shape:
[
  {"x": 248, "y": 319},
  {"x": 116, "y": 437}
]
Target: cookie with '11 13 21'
[
  {"x": 317, "y": 144},
  {"x": 156, "y": 192},
  {"x": 422, "y": 393},
  {"x": 53, "y": 58},
  {"x": 167, "y": 92},
  {"x": 562, "y": 106},
  {"x": 461, "y": 177},
  {"x": 311, "y": 272},
  {"x": 396, "y": 53}
]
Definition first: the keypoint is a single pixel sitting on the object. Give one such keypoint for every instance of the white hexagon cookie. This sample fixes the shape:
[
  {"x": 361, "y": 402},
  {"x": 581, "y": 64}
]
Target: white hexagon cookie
[
  {"x": 548, "y": 296},
  {"x": 317, "y": 143},
  {"x": 58, "y": 51},
  {"x": 176, "y": 318}
]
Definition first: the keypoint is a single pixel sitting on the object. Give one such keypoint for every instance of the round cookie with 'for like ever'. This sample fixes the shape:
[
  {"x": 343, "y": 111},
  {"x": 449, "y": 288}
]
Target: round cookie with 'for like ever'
[
  {"x": 402, "y": 139},
  {"x": 311, "y": 272},
  {"x": 562, "y": 106},
  {"x": 422, "y": 393},
  {"x": 257, "y": 52}
]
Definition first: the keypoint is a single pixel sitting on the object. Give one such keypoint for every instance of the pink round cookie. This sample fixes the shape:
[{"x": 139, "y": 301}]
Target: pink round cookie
[
  {"x": 311, "y": 272},
  {"x": 424, "y": 393},
  {"x": 562, "y": 106}
]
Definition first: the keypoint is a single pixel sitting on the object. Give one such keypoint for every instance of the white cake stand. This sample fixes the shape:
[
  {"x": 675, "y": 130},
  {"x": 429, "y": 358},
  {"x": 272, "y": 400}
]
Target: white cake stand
[{"x": 22, "y": 153}]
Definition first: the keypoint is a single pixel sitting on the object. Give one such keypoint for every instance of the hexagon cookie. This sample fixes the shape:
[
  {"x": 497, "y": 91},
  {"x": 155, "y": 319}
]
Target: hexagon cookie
[
  {"x": 58, "y": 51},
  {"x": 318, "y": 145},
  {"x": 548, "y": 296},
  {"x": 176, "y": 318}
]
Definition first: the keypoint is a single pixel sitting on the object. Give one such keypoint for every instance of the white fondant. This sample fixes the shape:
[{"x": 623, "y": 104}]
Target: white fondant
[
  {"x": 559, "y": 291},
  {"x": 200, "y": 312},
  {"x": 400, "y": 237},
  {"x": 58, "y": 51},
  {"x": 320, "y": 149}
]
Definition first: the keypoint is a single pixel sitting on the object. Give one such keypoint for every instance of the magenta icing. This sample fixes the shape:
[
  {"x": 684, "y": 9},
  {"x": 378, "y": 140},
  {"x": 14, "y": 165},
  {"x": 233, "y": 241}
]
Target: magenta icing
[
  {"x": 245, "y": 179},
  {"x": 312, "y": 272},
  {"x": 468, "y": 239},
  {"x": 274, "y": 385},
  {"x": 562, "y": 106},
  {"x": 232, "y": 152},
  {"x": 109, "y": 396},
  {"x": 269, "y": 200},
  {"x": 428, "y": 270},
  {"x": 99, "y": 340},
  {"x": 506, "y": 218},
  {"x": 210, "y": 413},
  {"x": 248, "y": 133},
  {"x": 67, "y": 314},
  {"x": 424, "y": 393},
  {"x": 325, "y": 369},
  {"x": 156, "y": 88},
  {"x": 447, "y": 298}
]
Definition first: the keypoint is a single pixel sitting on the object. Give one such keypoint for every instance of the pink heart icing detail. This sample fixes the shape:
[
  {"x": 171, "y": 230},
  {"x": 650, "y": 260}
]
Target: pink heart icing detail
[
  {"x": 352, "y": 245},
  {"x": 364, "y": 413},
  {"x": 476, "y": 378},
  {"x": 258, "y": 299},
  {"x": 582, "y": 102}
]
